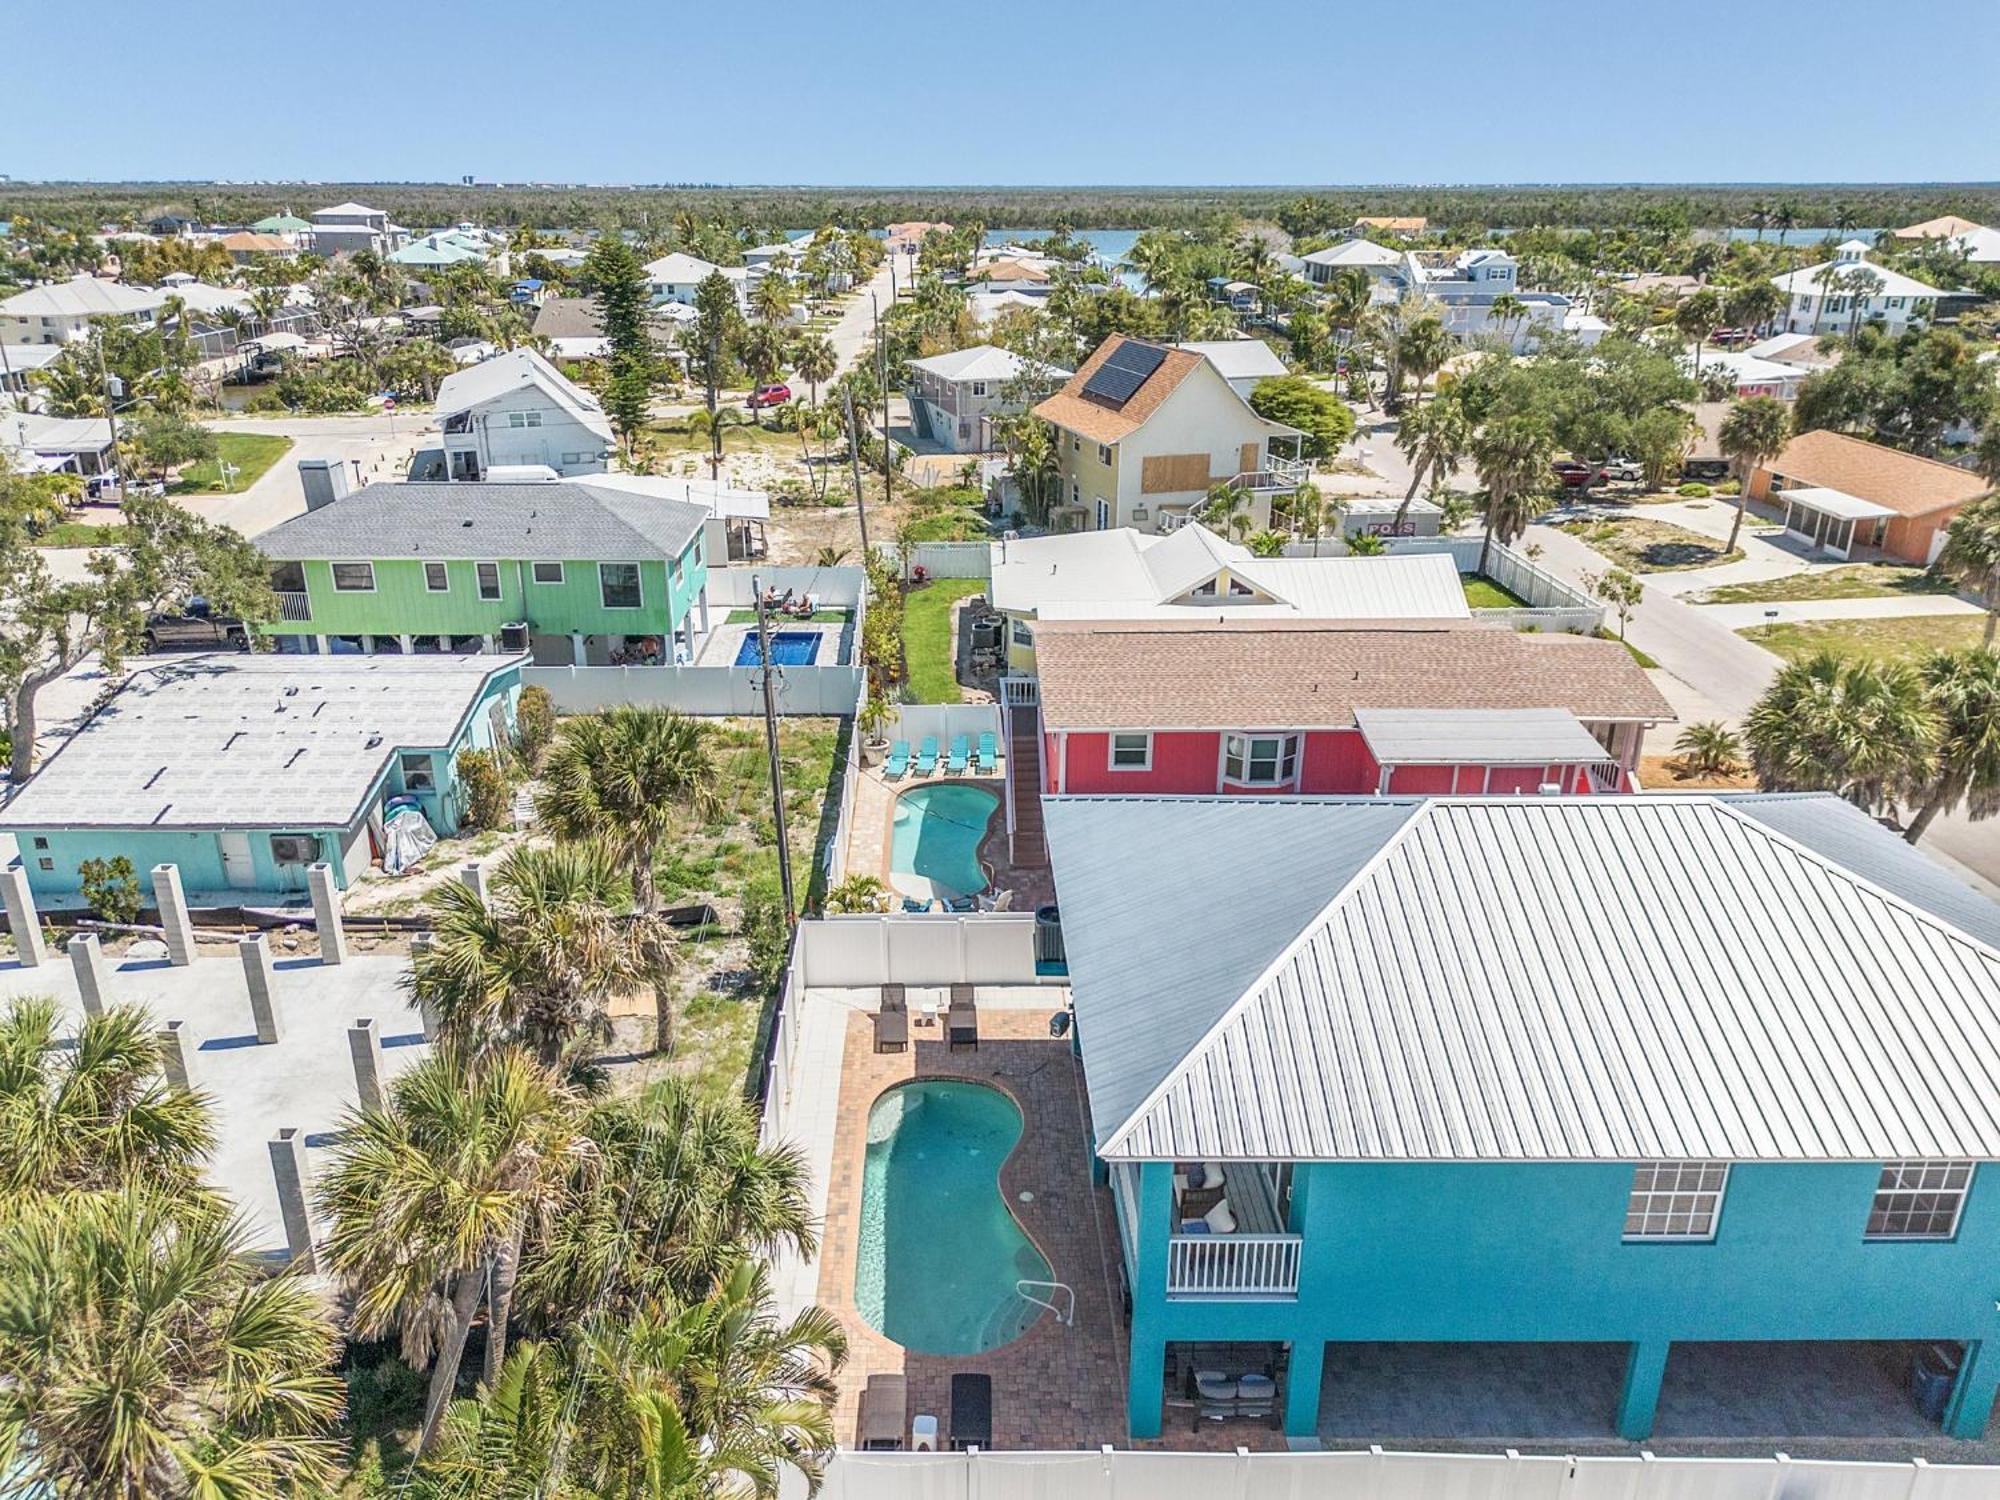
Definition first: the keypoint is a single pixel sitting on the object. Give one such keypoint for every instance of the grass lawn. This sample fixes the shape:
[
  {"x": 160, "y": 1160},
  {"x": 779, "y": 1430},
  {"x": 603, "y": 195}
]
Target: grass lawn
[
  {"x": 1650, "y": 546},
  {"x": 677, "y": 437},
  {"x": 80, "y": 534},
  {"x": 929, "y": 647},
  {"x": 1903, "y": 638},
  {"x": 1605, "y": 633},
  {"x": 1484, "y": 593},
  {"x": 819, "y": 617},
  {"x": 1855, "y": 581},
  {"x": 252, "y": 453}
]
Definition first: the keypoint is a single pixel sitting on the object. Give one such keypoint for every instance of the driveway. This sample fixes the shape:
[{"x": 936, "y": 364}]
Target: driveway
[{"x": 375, "y": 446}]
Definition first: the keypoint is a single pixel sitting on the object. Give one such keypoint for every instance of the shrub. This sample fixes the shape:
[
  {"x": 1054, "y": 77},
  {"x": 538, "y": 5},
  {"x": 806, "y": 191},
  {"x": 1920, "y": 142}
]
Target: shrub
[
  {"x": 858, "y": 893},
  {"x": 1711, "y": 748},
  {"x": 534, "y": 724},
  {"x": 1366, "y": 544},
  {"x": 768, "y": 934},
  {"x": 1694, "y": 492},
  {"x": 482, "y": 789},
  {"x": 111, "y": 886},
  {"x": 1730, "y": 487},
  {"x": 265, "y": 400}
]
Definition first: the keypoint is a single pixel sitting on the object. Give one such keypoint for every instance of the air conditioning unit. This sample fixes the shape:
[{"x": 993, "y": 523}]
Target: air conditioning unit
[
  {"x": 514, "y": 638},
  {"x": 294, "y": 848}
]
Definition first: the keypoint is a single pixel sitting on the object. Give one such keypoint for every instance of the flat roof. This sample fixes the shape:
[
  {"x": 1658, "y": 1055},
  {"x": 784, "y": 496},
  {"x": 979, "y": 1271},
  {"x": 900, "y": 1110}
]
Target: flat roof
[
  {"x": 1486, "y": 736},
  {"x": 250, "y": 740},
  {"x": 1842, "y": 507}
]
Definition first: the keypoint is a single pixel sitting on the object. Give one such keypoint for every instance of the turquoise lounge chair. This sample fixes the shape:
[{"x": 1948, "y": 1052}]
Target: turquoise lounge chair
[
  {"x": 911, "y": 904},
  {"x": 898, "y": 764},
  {"x": 989, "y": 751},
  {"x": 927, "y": 756},
  {"x": 960, "y": 754}
]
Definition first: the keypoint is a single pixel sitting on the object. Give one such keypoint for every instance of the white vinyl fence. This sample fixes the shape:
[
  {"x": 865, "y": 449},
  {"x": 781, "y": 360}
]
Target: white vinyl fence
[
  {"x": 1374, "y": 1474},
  {"x": 837, "y": 588},
  {"x": 698, "y": 690},
  {"x": 942, "y": 559},
  {"x": 914, "y": 721},
  {"x": 1554, "y": 604},
  {"x": 917, "y": 948}
]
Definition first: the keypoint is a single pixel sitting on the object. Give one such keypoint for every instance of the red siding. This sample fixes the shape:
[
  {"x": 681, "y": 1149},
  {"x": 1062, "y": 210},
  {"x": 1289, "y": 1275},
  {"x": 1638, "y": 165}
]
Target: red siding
[
  {"x": 1337, "y": 761},
  {"x": 1183, "y": 762}
]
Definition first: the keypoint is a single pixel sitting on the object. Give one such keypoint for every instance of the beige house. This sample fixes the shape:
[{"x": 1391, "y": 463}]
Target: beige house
[{"x": 1143, "y": 432}]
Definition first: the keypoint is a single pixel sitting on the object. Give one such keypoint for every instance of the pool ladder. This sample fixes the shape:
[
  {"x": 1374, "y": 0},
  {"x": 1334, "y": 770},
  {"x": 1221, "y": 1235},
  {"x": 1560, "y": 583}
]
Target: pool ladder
[{"x": 1065, "y": 1315}]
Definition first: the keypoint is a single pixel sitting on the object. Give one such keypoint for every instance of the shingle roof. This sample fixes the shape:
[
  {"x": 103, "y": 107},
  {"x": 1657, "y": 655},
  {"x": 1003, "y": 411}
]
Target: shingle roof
[
  {"x": 1276, "y": 675},
  {"x": 509, "y": 372},
  {"x": 82, "y": 297},
  {"x": 250, "y": 741},
  {"x": 1542, "y": 979},
  {"x": 1071, "y": 409},
  {"x": 564, "y": 521},
  {"x": 1906, "y": 483},
  {"x": 1950, "y": 227}
]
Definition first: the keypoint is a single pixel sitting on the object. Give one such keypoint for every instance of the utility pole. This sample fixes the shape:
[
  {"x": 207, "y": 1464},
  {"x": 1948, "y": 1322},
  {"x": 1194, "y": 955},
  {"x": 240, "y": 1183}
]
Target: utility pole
[
  {"x": 854, "y": 457},
  {"x": 111, "y": 415},
  {"x": 771, "y": 748},
  {"x": 882, "y": 374}
]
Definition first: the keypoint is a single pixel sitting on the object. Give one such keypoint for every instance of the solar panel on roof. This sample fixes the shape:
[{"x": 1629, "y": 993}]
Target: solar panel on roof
[{"x": 1118, "y": 379}]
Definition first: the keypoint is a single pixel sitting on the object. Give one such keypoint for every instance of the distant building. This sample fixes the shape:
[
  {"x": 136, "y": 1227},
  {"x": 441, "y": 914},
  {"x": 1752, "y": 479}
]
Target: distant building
[
  {"x": 348, "y": 227},
  {"x": 954, "y": 398},
  {"x": 908, "y": 238},
  {"x": 61, "y": 311},
  {"x": 1849, "y": 292}
]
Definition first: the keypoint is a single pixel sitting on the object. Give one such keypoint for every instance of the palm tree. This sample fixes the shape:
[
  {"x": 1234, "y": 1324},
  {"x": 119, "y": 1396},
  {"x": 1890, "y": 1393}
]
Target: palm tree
[
  {"x": 1697, "y": 318},
  {"x": 536, "y": 959},
  {"x": 1513, "y": 455},
  {"x": 1346, "y": 298},
  {"x": 1755, "y": 432},
  {"x": 1754, "y": 305},
  {"x": 1433, "y": 438},
  {"x": 771, "y": 298},
  {"x": 504, "y": 1443},
  {"x": 1507, "y": 310},
  {"x": 1226, "y": 511},
  {"x": 1971, "y": 555},
  {"x": 815, "y": 361},
  {"x": 1964, "y": 688},
  {"x": 1423, "y": 349},
  {"x": 431, "y": 1199},
  {"x": 1710, "y": 748},
  {"x": 145, "y": 1351},
  {"x": 92, "y": 1114},
  {"x": 1865, "y": 730}
]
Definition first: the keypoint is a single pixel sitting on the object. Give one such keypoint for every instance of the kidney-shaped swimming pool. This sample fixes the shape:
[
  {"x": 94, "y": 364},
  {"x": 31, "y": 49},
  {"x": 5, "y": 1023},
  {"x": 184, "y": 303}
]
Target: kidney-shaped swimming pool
[{"x": 940, "y": 1252}]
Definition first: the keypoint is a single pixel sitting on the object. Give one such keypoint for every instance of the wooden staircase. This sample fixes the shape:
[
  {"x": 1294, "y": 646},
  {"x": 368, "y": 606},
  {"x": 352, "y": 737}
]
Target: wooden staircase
[{"x": 1027, "y": 847}]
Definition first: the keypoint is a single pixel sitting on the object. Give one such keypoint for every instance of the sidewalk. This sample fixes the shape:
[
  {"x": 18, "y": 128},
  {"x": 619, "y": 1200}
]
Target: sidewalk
[{"x": 1897, "y": 606}]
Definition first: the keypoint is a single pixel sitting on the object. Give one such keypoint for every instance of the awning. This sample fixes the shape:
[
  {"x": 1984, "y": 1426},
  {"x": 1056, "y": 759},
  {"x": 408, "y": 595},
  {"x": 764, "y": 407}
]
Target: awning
[
  {"x": 277, "y": 343},
  {"x": 1835, "y": 503},
  {"x": 1477, "y": 737}
]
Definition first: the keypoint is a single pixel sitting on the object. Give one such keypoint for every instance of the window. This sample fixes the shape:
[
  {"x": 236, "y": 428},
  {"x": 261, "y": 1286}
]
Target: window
[
  {"x": 418, "y": 773},
  {"x": 618, "y": 585},
  {"x": 354, "y": 578},
  {"x": 1104, "y": 454},
  {"x": 1024, "y": 634},
  {"x": 524, "y": 419},
  {"x": 1075, "y": 443},
  {"x": 1919, "y": 1200},
  {"x": 1104, "y": 515},
  {"x": 548, "y": 572},
  {"x": 1260, "y": 759},
  {"x": 1675, "y": 1200},
  {"x": 288, "y": 578},
  {"x": 978, "y": 387},
  {"x": 489, "y": 579},
  {"x": 437, "y": 579},
  {"x": 1131, "y": 752}
]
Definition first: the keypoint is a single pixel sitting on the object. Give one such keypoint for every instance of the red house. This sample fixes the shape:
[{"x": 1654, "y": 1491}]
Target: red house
[{"x": 1166, "y": 708}]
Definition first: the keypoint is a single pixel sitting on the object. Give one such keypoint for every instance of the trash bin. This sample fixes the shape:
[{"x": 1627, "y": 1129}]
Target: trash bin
[{"x": 1932, "y": 1373}]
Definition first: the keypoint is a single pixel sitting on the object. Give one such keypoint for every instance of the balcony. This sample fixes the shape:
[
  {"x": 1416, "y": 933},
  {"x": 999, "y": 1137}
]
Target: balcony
[
  {"x": 1233, "y": 1265},
  {"x": 294, "y": 606}
]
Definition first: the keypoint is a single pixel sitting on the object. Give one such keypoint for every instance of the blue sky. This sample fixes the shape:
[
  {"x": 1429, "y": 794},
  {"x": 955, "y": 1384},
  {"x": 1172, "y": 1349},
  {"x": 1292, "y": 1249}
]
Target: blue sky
[{"x": 1018, "y": 92}]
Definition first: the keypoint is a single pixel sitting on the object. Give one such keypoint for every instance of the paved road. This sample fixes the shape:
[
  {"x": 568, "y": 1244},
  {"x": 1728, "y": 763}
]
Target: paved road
[
  {"x": 854, "y": 335},
  {"x": 375, "y": 446}
]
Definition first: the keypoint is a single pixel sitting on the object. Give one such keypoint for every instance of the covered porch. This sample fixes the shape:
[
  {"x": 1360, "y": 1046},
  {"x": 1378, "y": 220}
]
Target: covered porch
[
  {"x": 1832, "y": 521},
  {"x": 1487, "y": 752}
]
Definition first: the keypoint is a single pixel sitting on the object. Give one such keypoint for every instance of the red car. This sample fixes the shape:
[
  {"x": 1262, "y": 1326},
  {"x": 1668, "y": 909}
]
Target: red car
[
  {"x": 769, "y": 395},
  {"x": 1574, "y": 476}
]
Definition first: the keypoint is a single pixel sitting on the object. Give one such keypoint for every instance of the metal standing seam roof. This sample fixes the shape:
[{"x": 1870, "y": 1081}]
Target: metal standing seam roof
[
  {"x": 508, "y": 372},
  {"x": 236, "y": 740},
  {"x": 1489, "y": 736},
  {"x": 1535, "y": 979},
  {"x": 1836, "y": 503},
  {"x": 493, "y": 520}
]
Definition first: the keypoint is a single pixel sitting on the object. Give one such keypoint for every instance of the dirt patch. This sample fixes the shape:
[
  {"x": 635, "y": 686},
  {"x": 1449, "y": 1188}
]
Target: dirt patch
[
  {"x": 1647, "y": 546},
  {"x": 1668, "y": 773}
]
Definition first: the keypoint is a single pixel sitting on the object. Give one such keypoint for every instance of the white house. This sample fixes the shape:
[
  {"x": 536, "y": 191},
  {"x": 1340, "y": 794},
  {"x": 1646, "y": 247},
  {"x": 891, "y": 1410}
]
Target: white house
[
  {"x": 348, "y": 227},
  {"x": 1850, "y": 291},
  {"x": 60, "y": 312},
  {"x": 1379, "y": 263},
  {"x": 1755, "y": 376},
  {"x": 1241, "y": 362},
  {"x": 1466, "y": 291},
  {"x": 518, "y": 409},
  {"x": 955, "y": 397},
  {"x": 673, "y": 278},
  {"x": 1977, "y": 243}
]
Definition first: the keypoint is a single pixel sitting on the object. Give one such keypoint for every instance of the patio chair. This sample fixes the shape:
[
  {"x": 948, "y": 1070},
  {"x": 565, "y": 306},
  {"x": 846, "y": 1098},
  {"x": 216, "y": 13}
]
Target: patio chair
[
  {"x": 912, "y": 904},
  {"x": 1257, "y": 1397},
  {"x": 892, "y": 1030},
  {"x": 927, "y": 756},
  {"x": 884, "y": 1402},
  {"x": 961, "y": 1021},
  {"x": 961, "y": 752},
  {"x": 961, "y": 903},
  {"x": 894, "y": 997},
  {"x": 971, "y": 1412},
  {"x": 897, "y": 765},
  {"x": 989, "y": 751}
]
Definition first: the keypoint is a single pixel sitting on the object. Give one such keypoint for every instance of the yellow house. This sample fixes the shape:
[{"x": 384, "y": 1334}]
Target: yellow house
[{"x": 1144, "y": 431}]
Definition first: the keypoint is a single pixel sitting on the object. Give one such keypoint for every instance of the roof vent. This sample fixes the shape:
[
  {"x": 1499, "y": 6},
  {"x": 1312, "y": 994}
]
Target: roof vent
[{"x": 372, "y": 742}]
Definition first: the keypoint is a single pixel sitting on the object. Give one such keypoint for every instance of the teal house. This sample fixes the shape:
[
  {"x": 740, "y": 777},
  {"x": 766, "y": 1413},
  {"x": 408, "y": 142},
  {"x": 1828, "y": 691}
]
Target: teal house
[
  {"x": 244, "y": 769},
  {"x": 574, "y": 572},
  {"x": 1691, "y": 1102}
]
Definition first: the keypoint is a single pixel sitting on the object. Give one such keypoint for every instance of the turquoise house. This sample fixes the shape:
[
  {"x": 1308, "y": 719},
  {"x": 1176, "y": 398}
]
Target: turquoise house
[
  {"x": 1666, "y": 1073},
  {"x": 243, "y": 770},
  {"x": 575, "y": 572}
]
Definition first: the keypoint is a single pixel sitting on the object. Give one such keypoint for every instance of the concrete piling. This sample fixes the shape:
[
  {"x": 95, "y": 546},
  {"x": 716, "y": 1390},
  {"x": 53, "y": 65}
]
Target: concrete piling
[
  {"x": 262, "y": 981},
  {"x": 86, "y": 956},
  {"x": 364, "y": 1043},
  {"x": 172, "y": 902},
  {"x": 326, "y": 913},
  {"x": 177, "y": 1046},
  {"x": 22, "y": 920},
  {"x": 288, "y": 1166}
]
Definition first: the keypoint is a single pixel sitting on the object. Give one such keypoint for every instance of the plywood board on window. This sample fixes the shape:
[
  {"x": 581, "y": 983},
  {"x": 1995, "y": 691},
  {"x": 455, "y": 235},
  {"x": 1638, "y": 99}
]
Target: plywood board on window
[{"x": 1173, "y": 473}]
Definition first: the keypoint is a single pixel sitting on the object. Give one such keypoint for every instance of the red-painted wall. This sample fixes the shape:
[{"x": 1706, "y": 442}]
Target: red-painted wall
[
  {"x": 1183, "y": 762},
  {"x": 1338, "y": 762}
]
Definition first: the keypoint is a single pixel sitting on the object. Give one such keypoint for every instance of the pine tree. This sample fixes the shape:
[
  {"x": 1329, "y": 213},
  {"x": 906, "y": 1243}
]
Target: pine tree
[{"x": 618, "y": 287}]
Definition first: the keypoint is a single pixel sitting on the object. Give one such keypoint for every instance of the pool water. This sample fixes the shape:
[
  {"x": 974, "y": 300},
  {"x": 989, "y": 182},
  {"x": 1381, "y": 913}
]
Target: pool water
[
  {"x": 939, "y": 1250},
  {"x": 789, "y": 648},
  {"x": 934, "y": 841}
]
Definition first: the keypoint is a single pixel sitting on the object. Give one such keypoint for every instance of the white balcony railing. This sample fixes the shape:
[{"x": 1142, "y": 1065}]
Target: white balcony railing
[
  {"x": 293, "y": 606},
  {"x": 1020, "y": 692},
  {"x": 1233, "y": 1265}
]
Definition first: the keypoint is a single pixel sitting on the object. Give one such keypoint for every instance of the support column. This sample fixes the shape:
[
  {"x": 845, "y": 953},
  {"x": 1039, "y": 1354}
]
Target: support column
[
  {"x": 408, "y": 643},
  {"x": 177, "y": 1054},
  {"x": 488, "y": 645},
  {"x": 86, "y": 956},
  {"x": 1146, "y": 1392},
  {"x": 473, "y": 877},
  {"x": 576, "y": 651},
  {"x": 326, "y": 913},
  {"x": 22, "y": 920},
  {"x": 288, "y": 1166},
  {"x": 364, "y": 1044},
  {"x": 1146, "y": 1395},
  {"x": 702, "y": 600},
  {"x": 420, "y": 944},
  {"x": 262, "y": 981},
  {"x": 172, "y": 902},
  {"x": 1302, "y": 1376},
  {"x": 1645, "y": 1367},
  {"x": 323, "y": 645},
  {"x": 1971, "y": 1403}
]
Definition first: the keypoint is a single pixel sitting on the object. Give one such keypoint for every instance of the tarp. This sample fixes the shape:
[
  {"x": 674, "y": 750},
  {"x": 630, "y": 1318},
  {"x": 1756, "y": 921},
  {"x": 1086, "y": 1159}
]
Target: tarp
[{"x": 407, "y": 837}]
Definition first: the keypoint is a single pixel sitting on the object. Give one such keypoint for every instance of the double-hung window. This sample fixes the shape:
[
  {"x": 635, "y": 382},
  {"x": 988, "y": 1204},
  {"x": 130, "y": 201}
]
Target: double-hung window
[
  {"x": 437, "y": 578},
  {"x": 1260, "y": 759},
  {"x": 419, "y": 772},
  {"x": 1675, "y": 1200},
  {"x": 489, "y": 579},
  {"x": 548, "y": 572},
  {"x": 1919, "y": 1200},
  {"x": 524, "y": 419},
  {"x": 1131, "y": 752},
  {"x": 618, "y": 585},
  {"x": 354, "y": 578},
  {"x": 1104, "y": 454}
]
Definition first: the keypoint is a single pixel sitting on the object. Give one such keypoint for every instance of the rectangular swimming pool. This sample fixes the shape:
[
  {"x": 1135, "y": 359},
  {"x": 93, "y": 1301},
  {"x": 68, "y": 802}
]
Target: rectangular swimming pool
[{"x": 789, "y": 648}]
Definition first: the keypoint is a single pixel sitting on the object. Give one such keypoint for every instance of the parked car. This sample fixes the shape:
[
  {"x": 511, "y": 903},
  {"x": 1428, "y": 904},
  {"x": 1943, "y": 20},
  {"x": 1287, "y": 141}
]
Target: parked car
[
  {"x": 1574, "y": 476},
  {"x": 195, "y": 626},
  {"x": 1621, "y": 468},
  {"x": 1705, "y": 470},
  {"x": 770, "y": 395}
]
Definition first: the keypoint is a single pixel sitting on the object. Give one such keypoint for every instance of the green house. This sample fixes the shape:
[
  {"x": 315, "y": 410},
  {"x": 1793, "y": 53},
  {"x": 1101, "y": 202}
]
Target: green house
[{"x": 570, "y": 572}]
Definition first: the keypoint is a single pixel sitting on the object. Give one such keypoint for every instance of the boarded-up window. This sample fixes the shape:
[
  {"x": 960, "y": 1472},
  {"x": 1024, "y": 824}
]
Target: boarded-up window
[
  {"x": 1173, "y": 473},
  {"x": 1246, "y": 463}
]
